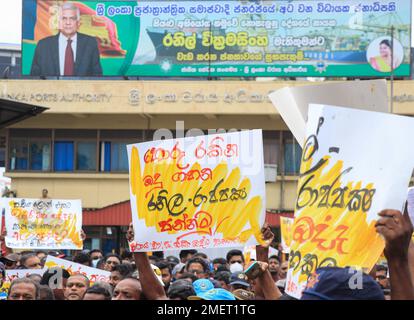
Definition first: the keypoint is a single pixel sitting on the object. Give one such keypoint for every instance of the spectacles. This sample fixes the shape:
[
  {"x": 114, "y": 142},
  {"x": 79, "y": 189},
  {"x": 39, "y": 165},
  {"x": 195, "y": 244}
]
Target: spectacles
[{"x": 196, "y": 271}]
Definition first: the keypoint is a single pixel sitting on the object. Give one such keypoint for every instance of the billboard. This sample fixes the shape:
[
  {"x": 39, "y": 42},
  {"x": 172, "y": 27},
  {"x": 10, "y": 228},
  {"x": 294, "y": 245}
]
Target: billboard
[{"x": 218, "y": 38}]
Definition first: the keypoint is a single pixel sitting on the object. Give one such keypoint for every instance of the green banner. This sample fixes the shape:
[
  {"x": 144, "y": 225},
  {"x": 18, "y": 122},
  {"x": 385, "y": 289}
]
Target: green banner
[{"x": 220, "y": 38}]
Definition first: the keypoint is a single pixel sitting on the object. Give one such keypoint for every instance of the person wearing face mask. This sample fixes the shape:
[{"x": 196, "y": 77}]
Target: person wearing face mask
[
  {"x": 236, "y": 261},
  {"x": 95, "y": 255}
]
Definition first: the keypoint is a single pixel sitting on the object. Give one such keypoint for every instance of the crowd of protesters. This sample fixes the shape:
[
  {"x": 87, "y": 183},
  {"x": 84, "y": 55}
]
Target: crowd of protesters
[{"x": 192, "y": 275}]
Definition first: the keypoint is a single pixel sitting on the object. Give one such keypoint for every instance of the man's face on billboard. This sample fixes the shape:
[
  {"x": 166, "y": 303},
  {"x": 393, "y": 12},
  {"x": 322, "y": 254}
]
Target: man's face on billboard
[{"x": 68, "y": 23}]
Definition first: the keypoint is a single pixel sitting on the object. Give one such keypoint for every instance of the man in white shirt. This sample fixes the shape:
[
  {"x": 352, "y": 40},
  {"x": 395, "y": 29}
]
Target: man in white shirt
[{"x": 69, "y": 53}]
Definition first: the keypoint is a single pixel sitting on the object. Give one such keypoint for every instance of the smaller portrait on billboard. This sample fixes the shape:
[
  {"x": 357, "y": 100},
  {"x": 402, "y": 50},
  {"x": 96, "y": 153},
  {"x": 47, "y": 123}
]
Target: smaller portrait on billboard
[
  {"x": 68, "y": 53},
  {"x": 380, "y": 54}
]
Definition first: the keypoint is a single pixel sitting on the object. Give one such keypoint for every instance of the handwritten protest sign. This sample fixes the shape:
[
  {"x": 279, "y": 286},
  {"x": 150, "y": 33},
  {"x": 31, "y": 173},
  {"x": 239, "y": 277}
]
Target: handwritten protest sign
[
  {"x": 21, "y": 273},
  {"x": 93, "y": 274},
  {"x": 12, "y": 274},
  {"x": 43, "y": 223},
  {"x": 293, "y": 102},
  {"x": 249, "y": 253},
  {"x": 197, "y": 192},
  {"x": 286, "y": 224},
  {"x": 352, "y": 168}
]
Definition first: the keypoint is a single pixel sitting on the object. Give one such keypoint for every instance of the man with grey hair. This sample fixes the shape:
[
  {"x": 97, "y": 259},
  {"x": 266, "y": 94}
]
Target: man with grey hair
[
  {"x": 69, "y": 53},
  {"x": 23, "y": 289}
]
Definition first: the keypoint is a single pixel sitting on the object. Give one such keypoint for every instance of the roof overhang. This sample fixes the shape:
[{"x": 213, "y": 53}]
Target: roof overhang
[{"x": 12, "y": 112}]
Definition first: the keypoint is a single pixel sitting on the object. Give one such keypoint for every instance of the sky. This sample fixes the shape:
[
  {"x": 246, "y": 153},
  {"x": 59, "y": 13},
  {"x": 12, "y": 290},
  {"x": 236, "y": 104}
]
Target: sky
[{"x": 10, "y": 19}]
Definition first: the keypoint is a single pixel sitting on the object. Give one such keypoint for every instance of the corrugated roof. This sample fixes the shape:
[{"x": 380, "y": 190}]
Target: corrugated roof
[{"x": 118, "y": 214}]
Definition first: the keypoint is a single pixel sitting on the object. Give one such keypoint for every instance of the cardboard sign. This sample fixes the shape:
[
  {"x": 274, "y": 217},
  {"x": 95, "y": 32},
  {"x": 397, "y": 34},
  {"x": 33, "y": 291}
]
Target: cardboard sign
[
  {"x": 12, "y": 274},
  {"x": 22, "y": 273},
  {"x": 93, "y": 274},
  {"x": 293, "y": 102},
  {"x": 43, "y": 223},
  {"x": 197, "y": 192},
  {"x": 249, "y": 253},
  {"x": 286, "y": 224},
  {"x": 351, "y": 169}
]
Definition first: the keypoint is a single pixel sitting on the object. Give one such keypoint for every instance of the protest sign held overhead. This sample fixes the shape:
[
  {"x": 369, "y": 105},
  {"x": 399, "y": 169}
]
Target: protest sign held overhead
[
  {"x": 93, "y": 274},
  {"x": 286, "y": 224},
  {"x": 351, "y": 170},
  {"x": 43, "y": 223},
  {"x": 197, "y": 192},
  {"x": 293, "y": 102}
]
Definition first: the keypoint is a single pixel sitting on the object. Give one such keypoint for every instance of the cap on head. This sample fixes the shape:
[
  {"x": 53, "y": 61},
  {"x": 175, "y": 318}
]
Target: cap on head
[
  {"x": 333, "y": 283},
  {"x": 202, "y": 285},
  {"x": 242, "y": 294},
  {"x": 214, "y": 294},
  {"x": 239, "y": 278}
]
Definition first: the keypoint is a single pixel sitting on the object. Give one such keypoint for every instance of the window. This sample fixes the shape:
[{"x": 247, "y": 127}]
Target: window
[
  {"x": 19, "y": 154},
  {"x": 114, "y": 156},
  {"x": 40, "y": 155},
  {"x": 63, "y": 159},
  {"x": 86, "y": 156},
  {"x": 30, "y": 149},
  {"x": 293, "y": 154},
  {"x": 271, "y": 147}
]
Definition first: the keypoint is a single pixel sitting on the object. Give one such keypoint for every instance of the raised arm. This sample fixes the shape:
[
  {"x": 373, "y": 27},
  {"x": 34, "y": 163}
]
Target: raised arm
[
  {"x": 151, "y": 287},
  {"x": 265, "y": 284},
  {"x": 397, "y": 231}
]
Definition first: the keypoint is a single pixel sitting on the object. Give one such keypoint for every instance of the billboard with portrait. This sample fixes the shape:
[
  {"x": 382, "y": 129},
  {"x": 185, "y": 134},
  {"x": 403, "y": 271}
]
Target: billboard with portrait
[{"x": 219, "y": 38}]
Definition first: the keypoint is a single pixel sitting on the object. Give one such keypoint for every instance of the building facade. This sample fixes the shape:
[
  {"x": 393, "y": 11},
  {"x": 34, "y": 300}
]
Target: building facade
[{"x": 76, "y": 149}]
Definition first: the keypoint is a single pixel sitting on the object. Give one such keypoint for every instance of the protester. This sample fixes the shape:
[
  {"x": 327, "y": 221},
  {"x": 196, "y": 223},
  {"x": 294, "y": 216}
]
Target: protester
[
  {"x": 10, "y": 261},
  {"x": 224, "y": 278},
  {"x": 127, "y": 257},
  {"x": 120, "y": 272},
  {"x": 111, "y": 260},
  {"x": 35, "y": 277},
  {"x": 381, "y": 276},
  {"x": 46, "y": 293},
  {"x": 173, "y": 261},
  {"x": 128, "y": 289},
  {"x": 332, "y": 283},
  {"x": 274, "y": 267},
  {"x": 220, "y": 262},
  {"x": 199, "y": 267},
  {"x": 95, "y": 256},
  {"x": 30, "y": 261},
  {"x": 180, "y": 290},
  {"x": 97, "y": 293},
  {"x": 186, "y": 255},
  {"x": 178, "y": 271},
  {"x": 83, "y": 258},
  {"x": 238, "y": 280},
  {"x": 283, "y": 270},
  {"x": 101, "y": 264},
  {"x": 23, "y": 289},
  {"x": 235, "y": 259},
  {"x": 76, "y": 287},
  {"x": 41, "y": 254},
  {"x": 166, "y": 275}
]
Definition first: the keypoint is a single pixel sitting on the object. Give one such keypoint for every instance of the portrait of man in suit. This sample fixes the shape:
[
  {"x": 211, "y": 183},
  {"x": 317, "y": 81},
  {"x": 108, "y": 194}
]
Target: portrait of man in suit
[{"x": 69, "y": 53}]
